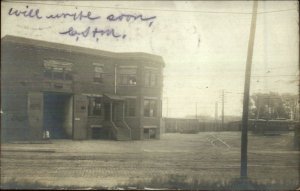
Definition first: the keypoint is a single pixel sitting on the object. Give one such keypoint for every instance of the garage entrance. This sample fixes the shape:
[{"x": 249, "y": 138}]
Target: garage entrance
[{"x": 58, "y": 115}]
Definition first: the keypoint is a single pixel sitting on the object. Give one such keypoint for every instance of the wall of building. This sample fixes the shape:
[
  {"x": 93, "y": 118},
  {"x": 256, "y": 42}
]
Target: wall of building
[{"x": 22, "y": 73}]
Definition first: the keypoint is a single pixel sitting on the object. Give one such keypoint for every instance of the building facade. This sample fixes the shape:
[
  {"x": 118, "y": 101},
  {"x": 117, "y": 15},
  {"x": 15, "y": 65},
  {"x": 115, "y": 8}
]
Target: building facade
[{"x": 78, "y": 93}]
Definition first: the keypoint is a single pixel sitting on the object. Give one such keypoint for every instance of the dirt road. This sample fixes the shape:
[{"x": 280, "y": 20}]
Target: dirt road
[{"x": 205, "y": 156}]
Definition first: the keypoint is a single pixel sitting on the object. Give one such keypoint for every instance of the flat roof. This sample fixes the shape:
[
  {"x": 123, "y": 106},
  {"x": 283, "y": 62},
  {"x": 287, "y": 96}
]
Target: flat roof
[{"x": 84, "y": 50}]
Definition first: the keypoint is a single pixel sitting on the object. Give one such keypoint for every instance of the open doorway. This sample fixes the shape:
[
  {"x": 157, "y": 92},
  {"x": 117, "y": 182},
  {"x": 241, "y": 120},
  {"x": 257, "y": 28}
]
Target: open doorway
[
  {"x": 58, "y": 115},
  {"x": 150, "y": 133}
]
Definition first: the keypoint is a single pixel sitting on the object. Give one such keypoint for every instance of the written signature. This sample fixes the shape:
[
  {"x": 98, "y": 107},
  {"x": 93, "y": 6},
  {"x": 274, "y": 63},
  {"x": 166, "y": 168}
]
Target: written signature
[{"x": 92, "y": 32}]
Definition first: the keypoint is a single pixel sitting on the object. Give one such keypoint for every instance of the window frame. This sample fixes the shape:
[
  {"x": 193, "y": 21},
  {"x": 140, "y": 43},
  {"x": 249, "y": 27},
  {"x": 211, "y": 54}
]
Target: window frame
[
  {"x": 153, "y": 106},
  {"x": 99, "y": 79},
  {"x": 151, "y": 77},
  {"x": 61, "y": 67},
  {"x": 92, "y": 105},
  {"x": 124, "y": 77}
]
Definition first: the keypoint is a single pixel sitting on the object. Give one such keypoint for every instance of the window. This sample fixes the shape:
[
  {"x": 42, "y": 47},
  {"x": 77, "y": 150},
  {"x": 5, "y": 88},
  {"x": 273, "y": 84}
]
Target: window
[
  {"x": 150, "y": 77},
  {"x": 98, "y": 73},
  {"x": 57, "y": 70},
  {"x": 150, "y": 108},
  {"x": 95, "y": 106},
  {"x": 127, "y": 75},
  {"x": 130, "y": 106}
]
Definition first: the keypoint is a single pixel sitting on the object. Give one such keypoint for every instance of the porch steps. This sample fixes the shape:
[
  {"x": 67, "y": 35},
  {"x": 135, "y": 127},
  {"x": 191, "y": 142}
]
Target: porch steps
[
  {"x": 122, "y": 137},
  {"x": 123, "y": 133}
]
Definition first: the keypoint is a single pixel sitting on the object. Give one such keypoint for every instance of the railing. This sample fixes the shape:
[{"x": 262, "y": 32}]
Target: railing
[
  {"x": 120, "y": 128},
  {"x": 127, "y": 126},
  {"x": 114, "y": 129}
]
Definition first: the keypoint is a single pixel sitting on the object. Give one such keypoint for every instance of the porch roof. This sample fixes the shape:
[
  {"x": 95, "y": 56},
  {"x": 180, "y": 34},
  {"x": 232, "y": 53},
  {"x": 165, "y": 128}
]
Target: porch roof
[{"x": 114, "y": 97}]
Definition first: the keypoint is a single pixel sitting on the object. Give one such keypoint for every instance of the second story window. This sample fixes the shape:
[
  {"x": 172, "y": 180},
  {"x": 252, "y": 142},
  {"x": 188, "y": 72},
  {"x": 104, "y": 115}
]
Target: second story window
[
  {"x": 58, "y": 70},
  {"x": 151, "y": 76},
  {"x": 98, "y": 72},
  {"x": 127, "y": 75}
]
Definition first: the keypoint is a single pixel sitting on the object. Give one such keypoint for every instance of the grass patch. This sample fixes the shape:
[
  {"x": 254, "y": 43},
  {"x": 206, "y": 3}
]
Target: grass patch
[
  {"x": 24, "y": 184},
  {"x": 181, "y": 182},
  {"x": 30, "y": 185},
  {"x": 171, "y": 182}
]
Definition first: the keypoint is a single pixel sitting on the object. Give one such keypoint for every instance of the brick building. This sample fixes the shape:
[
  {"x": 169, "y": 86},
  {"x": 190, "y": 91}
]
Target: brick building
[{"x": 78, "y": 93}]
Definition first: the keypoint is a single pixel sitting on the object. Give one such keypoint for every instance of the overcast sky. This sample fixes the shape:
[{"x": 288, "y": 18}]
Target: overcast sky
[{"x": 204, "y": 45}]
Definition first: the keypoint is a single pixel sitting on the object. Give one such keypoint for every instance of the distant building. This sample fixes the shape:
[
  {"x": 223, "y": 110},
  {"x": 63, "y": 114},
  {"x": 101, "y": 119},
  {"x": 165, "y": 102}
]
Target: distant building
[{"x": 78, "y": 93}]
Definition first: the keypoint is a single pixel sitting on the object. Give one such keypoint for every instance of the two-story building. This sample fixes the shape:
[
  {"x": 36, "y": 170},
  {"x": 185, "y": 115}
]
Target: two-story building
[{"x": 78, "y": 93}]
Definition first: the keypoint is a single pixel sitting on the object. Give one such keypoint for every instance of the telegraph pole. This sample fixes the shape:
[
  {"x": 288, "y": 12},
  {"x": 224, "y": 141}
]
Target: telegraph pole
[
  {"x": 244, "y": 137},
  {"x": 167, "y": 107},
  {"x": 216, "y": 116},
  {"x": 223, "y": 109},
  {"x": 216, "y": 111}
]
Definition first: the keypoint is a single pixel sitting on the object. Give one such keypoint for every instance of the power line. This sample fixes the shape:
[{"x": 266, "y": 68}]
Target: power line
[
  {"x": 160, "y": 10},
  {"x": 274, "y": 76},
  {"x": 191, "y": 76}
]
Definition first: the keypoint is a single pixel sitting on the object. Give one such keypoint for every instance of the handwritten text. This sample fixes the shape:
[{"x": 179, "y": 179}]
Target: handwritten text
[{"x": 94, "y": 33}]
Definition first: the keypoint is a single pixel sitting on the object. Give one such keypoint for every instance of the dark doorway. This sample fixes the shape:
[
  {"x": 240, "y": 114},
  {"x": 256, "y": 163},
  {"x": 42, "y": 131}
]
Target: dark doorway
[
  {"x": 58, "y": 115},
  {"x": 100, "y": 133},
  {"x": 152, "y": 133},
  {"x": 117, "y": 111},
  {"x": 107, "y": 111}
]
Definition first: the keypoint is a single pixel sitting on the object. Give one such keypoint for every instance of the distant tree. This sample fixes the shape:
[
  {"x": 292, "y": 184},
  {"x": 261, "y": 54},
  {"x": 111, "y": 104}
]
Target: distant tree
[{"x": 273, "y": 106}]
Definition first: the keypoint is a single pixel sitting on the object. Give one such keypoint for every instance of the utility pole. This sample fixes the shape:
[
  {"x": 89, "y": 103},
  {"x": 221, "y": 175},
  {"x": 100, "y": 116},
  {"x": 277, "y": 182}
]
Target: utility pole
[
  {"x": 223, "y": 109},
  {"x": 216, "y": 111},
  {"x": 216, "y": 115},
  {"x": 244, "y": 137},
  {"x": 115, "y": 82},
  {"x": 167, "y": 107},
  {"x": 258, "y": 108}
]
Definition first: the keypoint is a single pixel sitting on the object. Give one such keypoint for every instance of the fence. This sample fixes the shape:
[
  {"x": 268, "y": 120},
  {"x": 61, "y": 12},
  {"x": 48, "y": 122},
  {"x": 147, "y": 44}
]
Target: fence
[{"x": 173, "y": 125}]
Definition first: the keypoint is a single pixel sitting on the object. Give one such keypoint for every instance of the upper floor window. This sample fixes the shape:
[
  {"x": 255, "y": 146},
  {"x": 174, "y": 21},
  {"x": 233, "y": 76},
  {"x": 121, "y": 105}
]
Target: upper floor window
[
  {"x": 151, "y": 76},
  {"x": 130, "y": 105},
  {"x": 150, "y": 108},
  {"x": 95, "y": 106},
  {"x": 58, "y": 70},
  {"x": 127, "y": 75},
  {"x": 98, "y": 72}
]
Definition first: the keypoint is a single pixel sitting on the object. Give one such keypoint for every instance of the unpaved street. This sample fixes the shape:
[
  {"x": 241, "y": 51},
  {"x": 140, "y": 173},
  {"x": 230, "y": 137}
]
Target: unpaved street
[{"x": 208, "y": 156}]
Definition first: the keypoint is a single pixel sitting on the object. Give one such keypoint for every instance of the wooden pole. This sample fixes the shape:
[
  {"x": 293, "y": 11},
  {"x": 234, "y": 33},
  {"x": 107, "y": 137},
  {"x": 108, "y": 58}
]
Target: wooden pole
[
  {"x": 222, "y": 129},
  {"x": 111, "y": 111},
  {"x": 123, "y": 110},
  {"x": 244, "y": 144},
  {"x": 115, "y": 80}
]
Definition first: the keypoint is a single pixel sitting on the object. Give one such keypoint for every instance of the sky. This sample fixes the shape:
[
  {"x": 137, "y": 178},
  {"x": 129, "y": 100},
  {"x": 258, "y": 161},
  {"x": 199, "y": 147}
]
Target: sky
[{"x": 203, "y": 43}]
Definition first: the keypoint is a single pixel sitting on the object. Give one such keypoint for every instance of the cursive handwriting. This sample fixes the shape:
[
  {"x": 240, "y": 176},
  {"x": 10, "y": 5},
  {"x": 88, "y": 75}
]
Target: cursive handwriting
[
  {"x": 80, "y": 15},
  {"x": 128, "y": 17},
  {"x": 94, "y": 33},
  {"x": 74, "y": 16},
  {"x": 83, "y": 16},
  {"x": 32, "y": 13}
]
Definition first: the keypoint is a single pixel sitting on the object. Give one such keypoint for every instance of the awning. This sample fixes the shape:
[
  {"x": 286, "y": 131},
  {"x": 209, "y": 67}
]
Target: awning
[
  {"x": 150, "y": 126},
  {"x": 114, "y": 97}
]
